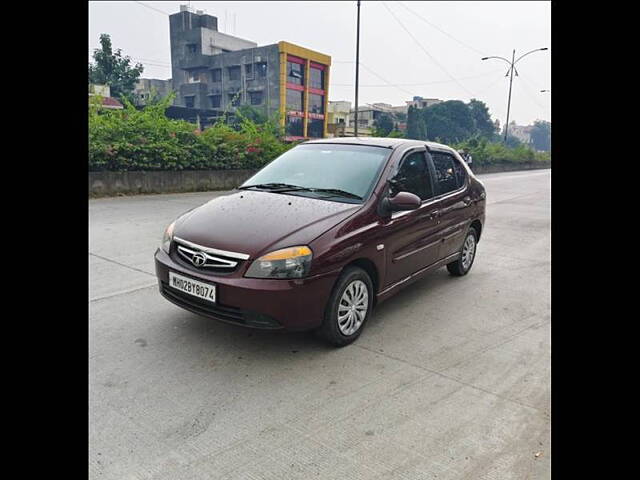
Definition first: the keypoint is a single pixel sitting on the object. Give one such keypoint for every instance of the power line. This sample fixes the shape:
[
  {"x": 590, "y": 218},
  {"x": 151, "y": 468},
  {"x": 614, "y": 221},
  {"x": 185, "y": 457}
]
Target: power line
[
  {"x": 153, "y": 8},
  {"x": 492, "y": 84},
  {"x": 386, "y": 81},
  {"x": 426, "y": 52},
  {"x": 144, "y": 61},
  {"x": 418, "y": 84},
  {"x": 442, "y": 31},
  {"x": 531, "y": 95},
  {"x": 376, "y": 74}
]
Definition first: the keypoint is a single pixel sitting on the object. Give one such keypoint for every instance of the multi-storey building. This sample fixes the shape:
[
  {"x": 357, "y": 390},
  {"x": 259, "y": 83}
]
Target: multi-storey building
[
  {"x": 420, "y": 102},
  {"x": 338, "y": 112},
  {"x": 521, "y": 132},
  {"x": 215, "y": 71},
  {"x": 145, "y": 88}
]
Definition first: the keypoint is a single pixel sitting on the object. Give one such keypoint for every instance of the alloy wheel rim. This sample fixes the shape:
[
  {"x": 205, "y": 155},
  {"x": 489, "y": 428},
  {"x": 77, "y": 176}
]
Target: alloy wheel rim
[
  {"x": 468, "y": 251},
  {"x": 353, "y": 306}
]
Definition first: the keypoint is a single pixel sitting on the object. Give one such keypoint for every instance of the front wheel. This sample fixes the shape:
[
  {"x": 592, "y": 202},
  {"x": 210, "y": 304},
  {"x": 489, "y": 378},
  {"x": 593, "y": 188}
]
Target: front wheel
[
  {"x": 349, "y": 307},
  {"x": 467, "y": 255}
]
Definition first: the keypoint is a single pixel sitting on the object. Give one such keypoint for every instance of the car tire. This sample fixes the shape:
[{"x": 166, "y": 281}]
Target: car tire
[
  {"x": 345, "y": 315},
  {"x": 462, "y": 266}
]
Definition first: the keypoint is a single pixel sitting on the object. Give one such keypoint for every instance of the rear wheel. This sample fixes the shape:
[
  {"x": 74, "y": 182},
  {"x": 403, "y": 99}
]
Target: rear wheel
[
  {"x": 467, "y": 255},
  {"x": 348, "y": 308}
]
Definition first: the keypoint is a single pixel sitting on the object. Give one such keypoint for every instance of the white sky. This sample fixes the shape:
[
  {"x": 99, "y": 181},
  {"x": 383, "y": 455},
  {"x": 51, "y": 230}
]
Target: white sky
[{"x": 478, "y": 29}]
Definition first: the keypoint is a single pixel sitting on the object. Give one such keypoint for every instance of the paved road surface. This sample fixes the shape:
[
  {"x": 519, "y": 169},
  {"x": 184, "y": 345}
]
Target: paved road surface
[{"x": 450, "y": 379}]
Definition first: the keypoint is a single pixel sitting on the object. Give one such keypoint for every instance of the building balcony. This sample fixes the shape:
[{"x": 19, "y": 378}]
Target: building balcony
[{"x": 192, "y": 60}]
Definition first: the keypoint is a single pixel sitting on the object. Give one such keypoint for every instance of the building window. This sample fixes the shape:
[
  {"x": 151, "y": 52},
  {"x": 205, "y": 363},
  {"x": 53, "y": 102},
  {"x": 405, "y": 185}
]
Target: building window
[
  {"x": 316, "y": 103},
  {"x": 216, "y": 75},
  {"x": 192, "y": 47},
  {"x": 295, "y": 100},
  {"x": 234, "y": 72},
  {"x": 295, "y": 73},
  {"x": 248, "y": 69},
  {"x": 234, "y": 99},
  {"x": 261, "y": 69},
  {"x": 189, "y": 101},
  {"x": 215, "y": 101},
  {"x": 195, "y": 76},
  {"x": 315, "y": 128},
  {"x": 317, "y": 78},
  {"x": 294, "y": 127},
  {"x": 255, "y": 98}
]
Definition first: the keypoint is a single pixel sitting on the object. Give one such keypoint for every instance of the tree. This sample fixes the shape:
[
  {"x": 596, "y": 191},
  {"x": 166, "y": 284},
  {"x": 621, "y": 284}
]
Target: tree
[
  {"x": 416, "y": 126},
  {"x": 395, "y": 133},
  {"x": 256, "y": 116},
  {"x": 111, "y": 68},
  {"x": 513, "y": 142},
  {"x": 484, "y": 126},
  {"x": 449, "y": 121},
  {"x": 383, "y": 125},
  {"x": 541, "y": 135}
]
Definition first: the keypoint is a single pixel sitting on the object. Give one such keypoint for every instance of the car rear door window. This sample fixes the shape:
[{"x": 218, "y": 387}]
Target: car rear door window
[
  {"x": 461, "y": 173},
  {"x": 413, "y": 176},
  {"x": 448, "y": 175}
]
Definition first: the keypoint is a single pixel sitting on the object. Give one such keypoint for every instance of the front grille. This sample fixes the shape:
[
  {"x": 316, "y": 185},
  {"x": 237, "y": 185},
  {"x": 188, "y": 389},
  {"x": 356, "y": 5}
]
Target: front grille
[
  {"x": 217, "y": 311},
  {"x": 207, "y": 259}
]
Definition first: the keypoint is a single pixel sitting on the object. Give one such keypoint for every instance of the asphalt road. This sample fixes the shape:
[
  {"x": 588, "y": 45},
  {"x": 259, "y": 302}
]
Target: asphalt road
[{"x": 449, "y": 380}]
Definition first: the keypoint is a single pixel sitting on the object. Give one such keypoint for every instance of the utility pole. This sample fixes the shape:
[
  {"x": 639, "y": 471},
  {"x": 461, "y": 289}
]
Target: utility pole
[
  {"x": 506, "y": 127},
  {"x": 355, "y": 128},
  {"x": 512, "y": 68}
]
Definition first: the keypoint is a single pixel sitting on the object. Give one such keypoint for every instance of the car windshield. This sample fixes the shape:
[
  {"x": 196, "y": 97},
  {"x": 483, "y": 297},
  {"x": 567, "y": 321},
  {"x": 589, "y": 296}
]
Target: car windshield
[{"x": 335, "y": 172}]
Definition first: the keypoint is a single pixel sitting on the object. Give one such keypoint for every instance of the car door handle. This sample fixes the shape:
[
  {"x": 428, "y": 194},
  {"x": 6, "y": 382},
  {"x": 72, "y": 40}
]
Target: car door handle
[
  {"x": 466, "y": 201},
  {"x": 434, "y": 214}
]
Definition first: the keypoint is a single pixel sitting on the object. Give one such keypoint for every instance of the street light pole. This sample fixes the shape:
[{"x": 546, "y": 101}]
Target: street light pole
[
  {"x": 512, "y": 68},
  {"x": 355, "y": 129},
  {"x": 506, "y": 127}
]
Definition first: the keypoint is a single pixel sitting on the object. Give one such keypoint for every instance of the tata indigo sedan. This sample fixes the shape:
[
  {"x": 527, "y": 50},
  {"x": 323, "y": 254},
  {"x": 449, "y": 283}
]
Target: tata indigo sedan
[{"x": 323, "y": 233}]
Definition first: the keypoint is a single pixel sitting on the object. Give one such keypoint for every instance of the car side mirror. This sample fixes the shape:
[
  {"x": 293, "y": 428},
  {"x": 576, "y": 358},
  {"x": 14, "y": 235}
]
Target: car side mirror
[{"x": 402, "y": 201}]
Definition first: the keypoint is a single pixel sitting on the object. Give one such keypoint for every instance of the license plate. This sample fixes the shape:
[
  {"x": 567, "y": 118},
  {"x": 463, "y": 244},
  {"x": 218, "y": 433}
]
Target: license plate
[{"x": 193, "y": 287}]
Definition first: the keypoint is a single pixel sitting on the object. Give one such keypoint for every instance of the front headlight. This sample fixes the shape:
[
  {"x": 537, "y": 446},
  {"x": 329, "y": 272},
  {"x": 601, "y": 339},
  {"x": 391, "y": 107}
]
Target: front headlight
[
  {"x": 292, "y": 262},
  {"x": 167, "y": 238}
]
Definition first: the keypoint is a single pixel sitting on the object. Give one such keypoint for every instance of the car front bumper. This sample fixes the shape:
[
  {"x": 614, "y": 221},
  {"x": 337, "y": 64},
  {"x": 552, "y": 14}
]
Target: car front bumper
[{"x": 252, "y": 302}]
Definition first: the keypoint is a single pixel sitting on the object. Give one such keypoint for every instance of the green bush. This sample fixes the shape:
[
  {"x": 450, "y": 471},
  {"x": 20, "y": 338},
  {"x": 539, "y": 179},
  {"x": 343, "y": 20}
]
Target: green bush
[
  {"x": 146, "y": 139},
  {"x": 493, "y": 153}
]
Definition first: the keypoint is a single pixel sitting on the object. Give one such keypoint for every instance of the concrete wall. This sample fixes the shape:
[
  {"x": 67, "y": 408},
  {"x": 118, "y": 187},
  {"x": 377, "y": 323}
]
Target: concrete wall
[
  {"x": 214, "y": 42},
  {"x": 130, "y": 183},
  {"x": 104, "y": 184},
  {"x": 507, "y": 167}
]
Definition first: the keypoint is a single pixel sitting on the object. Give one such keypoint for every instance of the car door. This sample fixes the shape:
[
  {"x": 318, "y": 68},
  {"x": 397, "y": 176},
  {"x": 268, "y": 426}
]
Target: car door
[
  {"x": 411, "y": 236},
  {"x": 451, "y": 185}
]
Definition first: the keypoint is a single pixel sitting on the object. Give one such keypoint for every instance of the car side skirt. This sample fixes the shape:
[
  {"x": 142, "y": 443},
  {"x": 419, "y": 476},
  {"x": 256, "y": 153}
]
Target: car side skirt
[{"x": 392, "y": 289}]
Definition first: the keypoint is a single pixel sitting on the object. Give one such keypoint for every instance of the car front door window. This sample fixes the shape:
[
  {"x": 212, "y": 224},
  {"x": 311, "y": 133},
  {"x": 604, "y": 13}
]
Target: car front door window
[{"x": 413, "y": 177}]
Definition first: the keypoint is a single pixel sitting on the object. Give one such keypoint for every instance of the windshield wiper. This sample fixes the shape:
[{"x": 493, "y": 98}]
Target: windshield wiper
[
  {"x": 286, "y": 187},
  {"x": 272, "y": 186},
  {"x": 334, "y": 191}
]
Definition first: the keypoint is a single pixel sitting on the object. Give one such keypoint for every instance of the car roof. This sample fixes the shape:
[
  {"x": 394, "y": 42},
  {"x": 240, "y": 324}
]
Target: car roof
[{"x": 381, "y": 142}]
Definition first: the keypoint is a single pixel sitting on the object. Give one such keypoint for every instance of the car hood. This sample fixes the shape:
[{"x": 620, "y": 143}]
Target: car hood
[{"x": 256, "y": 222}]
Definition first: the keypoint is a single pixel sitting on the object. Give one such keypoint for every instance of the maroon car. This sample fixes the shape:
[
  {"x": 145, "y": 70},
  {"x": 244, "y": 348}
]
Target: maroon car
[{"x": 324, "y": 232}]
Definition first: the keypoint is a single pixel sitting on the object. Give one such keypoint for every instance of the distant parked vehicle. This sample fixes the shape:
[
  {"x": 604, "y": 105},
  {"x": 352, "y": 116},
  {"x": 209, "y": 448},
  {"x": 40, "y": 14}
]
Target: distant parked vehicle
[{"x": 323, "y": 233}]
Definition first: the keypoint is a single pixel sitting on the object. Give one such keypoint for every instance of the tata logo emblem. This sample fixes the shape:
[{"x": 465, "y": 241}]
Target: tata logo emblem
[{"x": 199, "y": 259}]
